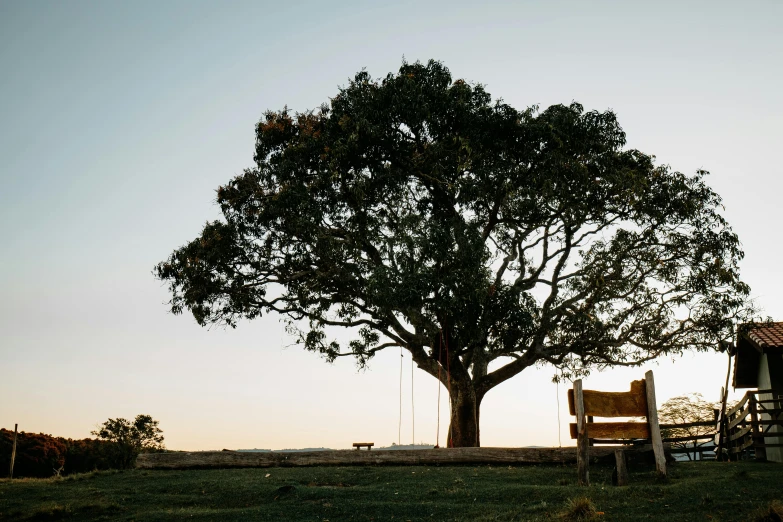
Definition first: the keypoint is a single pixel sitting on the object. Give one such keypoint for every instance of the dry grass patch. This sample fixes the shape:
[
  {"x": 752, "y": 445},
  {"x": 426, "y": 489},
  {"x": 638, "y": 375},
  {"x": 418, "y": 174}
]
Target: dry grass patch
[{"x": 579, "y": 509}]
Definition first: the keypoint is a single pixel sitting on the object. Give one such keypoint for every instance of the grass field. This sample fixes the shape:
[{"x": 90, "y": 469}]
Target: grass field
[{"x": 700, "y": 491}]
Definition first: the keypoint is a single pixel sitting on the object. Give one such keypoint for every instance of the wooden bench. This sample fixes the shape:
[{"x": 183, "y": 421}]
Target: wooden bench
[
  {"x": 359, "y": 445},
  {"x": 639, "y": 402}
]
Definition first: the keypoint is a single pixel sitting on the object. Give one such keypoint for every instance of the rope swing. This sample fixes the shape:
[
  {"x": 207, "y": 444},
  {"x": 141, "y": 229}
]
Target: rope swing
[
  {"x": 437, "y": 433},
  {"x": 557, "y": 397},
  {"x": 443, "y": 348},
  {"x": 413, "y": 410},
  {"x": 443, "y": 344},
  {"x": 399, "y": 423},
  {"x": 450, "y": 443}
]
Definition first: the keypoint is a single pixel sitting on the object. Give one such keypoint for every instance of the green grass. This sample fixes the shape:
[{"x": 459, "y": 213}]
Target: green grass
[{"x": 703, "y": 491}]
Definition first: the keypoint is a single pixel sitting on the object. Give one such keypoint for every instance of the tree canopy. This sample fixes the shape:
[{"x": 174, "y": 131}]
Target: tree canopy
[{"x": 414, "y": 211}]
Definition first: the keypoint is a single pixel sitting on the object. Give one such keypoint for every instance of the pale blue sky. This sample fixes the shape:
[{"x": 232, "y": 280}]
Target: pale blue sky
[{"x": 119, "y": 120}]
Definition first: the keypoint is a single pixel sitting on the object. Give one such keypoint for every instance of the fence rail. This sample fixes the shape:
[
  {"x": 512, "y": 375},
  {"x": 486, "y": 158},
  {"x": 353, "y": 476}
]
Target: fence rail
[{"x": 689, "y": 445}]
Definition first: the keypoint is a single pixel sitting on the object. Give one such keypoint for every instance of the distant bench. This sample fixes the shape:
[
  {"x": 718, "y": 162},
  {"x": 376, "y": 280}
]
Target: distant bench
[{"x": 359, "y": 445}]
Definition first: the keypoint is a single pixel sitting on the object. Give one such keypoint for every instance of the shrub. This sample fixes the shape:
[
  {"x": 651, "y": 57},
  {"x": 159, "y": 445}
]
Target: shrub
[
  {"x": 37, "y": 454},
  {"x": 85, "y": 455}
]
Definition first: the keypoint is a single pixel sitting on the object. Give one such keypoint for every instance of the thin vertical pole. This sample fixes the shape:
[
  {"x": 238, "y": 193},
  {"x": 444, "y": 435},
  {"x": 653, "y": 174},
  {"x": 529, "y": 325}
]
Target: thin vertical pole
[{"x": 13, "y": 453}]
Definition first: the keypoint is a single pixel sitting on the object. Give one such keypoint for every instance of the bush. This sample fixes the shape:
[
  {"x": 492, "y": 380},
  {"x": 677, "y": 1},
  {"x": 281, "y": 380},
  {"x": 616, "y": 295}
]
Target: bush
[
  {"x": 85, "y": 455},
  {"x": 39, "y": 455},
  {"x": 119, "y": 441}
]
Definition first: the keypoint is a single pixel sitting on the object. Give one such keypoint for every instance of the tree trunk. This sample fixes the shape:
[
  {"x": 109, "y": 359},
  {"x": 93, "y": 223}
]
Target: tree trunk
[{"x": 464, "y": 425}]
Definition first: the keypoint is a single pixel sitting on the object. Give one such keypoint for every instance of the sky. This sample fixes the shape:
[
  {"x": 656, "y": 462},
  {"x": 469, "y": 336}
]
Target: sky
[{"x": 119, "y": 120}]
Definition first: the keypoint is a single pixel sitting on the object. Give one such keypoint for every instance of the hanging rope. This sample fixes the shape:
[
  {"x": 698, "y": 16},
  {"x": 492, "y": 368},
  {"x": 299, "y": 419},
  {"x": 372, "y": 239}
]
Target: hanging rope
[
  {"x": 399, "y": 423},
  {"x": 445, "y": 344},
  {"x": 413, "y": 411},
  {"x": 557, "y": 394},
  {"x": 437, "y": 433}
]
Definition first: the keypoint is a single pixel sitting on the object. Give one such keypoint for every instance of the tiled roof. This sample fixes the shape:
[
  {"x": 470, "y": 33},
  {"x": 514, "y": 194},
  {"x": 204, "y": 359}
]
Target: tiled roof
[{"x": 768, "y": 335}]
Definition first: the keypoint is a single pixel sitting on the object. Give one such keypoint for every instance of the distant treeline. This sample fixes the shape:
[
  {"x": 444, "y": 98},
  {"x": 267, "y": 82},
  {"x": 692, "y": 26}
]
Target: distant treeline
[
  {"x": 256, "y": 450},
  {"x": 394, "y": 446},
  {"x": 41, "y": 455}
]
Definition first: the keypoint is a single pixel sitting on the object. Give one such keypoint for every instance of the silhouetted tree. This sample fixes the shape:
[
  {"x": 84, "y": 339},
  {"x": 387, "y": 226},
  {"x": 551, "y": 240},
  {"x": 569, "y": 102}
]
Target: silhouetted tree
[
  {"x": 131, "y": 438},
  {"x": 415, "y": 212},
  {"x": 687, "y": 409}
]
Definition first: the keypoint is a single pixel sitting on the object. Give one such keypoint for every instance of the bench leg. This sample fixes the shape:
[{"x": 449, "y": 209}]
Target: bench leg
[{"x": 622, "y": 468}]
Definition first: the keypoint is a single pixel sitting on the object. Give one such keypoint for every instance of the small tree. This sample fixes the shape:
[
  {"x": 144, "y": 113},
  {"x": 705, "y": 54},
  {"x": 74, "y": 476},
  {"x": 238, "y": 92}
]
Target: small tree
[
  {"x": 684, "y": 410},
  {"x": 131, "y": 438}
]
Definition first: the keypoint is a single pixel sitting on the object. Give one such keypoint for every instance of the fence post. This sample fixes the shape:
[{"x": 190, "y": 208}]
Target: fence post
[
  {"x": 582, "y": 448},
  {"x": 652, "y": 420},
  {"x": 758, "y": 434},
  {"x": 720, "y": 414},
  {"x": 13, "y": 453}
]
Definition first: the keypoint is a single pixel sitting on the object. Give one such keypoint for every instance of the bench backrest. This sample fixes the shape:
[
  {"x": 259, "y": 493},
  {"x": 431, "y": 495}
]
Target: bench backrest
[
  {"x": 613, "y": 404},
  {"x": 638, "y": 402}
]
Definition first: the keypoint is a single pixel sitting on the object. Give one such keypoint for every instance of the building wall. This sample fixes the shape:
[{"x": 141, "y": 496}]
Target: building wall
[{"x": 766, "y": 381}]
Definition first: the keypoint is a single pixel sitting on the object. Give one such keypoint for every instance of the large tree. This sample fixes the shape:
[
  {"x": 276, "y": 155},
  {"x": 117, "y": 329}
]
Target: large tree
[{"x": 414, "y": 211}]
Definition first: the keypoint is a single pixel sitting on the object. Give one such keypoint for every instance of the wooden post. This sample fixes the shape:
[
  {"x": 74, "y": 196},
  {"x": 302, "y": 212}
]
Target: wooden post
[
  {"x": 655, "y": 430},
  {"x": 582, "y": 448},
  {"x": 720, "y": 441},
  {"x": 13, "y": 453},
  {"x": 758, "y": 434},
  {"x": 724, "y": 395},
  {"x": 622, "y": 468},
  {"x": 590, "y": 421}
]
